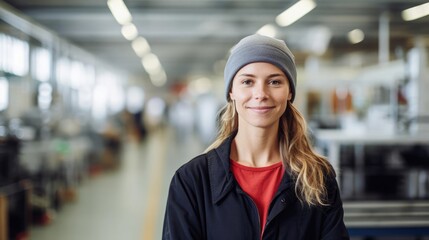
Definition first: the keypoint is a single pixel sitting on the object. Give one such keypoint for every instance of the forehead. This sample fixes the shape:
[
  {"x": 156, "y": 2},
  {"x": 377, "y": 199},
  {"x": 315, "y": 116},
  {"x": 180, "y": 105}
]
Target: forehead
[{"x": 260, "y": 68}]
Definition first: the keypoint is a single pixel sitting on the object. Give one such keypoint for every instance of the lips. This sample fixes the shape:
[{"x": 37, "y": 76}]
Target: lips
[{"x": 261, "y": 109}]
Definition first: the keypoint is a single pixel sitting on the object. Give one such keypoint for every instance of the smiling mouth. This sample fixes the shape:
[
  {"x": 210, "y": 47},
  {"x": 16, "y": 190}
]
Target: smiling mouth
[{"x": 261, "y": 109}]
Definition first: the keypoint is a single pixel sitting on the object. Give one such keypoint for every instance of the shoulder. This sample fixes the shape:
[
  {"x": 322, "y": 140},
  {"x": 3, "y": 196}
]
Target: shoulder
[{"x": 194, "y": 168}]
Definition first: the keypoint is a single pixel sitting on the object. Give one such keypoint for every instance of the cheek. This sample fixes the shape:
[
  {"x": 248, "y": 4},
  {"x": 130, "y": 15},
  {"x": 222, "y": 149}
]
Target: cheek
[
  {"x": 283, "y": 102},
  {"x": 284, "y": 107},
  {"x": 239, "y": 95}
]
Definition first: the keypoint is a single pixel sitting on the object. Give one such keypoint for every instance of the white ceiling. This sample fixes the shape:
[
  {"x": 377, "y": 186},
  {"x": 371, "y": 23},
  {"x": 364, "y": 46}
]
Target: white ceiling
[{"x": 189, "y": 36}]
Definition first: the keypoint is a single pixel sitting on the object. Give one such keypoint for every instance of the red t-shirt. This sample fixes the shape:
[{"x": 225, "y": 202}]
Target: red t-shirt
[{"x": 260, "y": 183}]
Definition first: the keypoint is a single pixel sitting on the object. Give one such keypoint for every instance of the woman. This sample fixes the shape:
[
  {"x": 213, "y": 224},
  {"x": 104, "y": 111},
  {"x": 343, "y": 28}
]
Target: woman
[{"x": 260, "y": 179}]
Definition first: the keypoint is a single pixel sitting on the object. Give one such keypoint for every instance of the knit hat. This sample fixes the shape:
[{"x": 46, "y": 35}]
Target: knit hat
[{"x": 259, "y": 48}]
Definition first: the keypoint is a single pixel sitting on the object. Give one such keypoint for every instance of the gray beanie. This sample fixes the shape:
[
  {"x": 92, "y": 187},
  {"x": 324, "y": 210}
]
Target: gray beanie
[{"x": 259, "y": 48}]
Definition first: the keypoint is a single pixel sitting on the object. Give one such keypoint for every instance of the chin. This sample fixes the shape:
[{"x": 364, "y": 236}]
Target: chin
[{"x": 262, "y": 124}]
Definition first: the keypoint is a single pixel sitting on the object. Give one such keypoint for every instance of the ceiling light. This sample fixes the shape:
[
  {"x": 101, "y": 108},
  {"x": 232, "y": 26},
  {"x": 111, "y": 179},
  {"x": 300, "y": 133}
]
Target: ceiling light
[
  {"x": 295, "y": 12},
  {"x": 129, "y": 31},
  {"x": 267, "y": 30},
  {"x": 140, "y": 46},
  {"x": 415, "y": 12},
  {"x": 356, "y": 36},
  {"x": 151, "y": 64},
  {"x": 159, "y": 79},
  {"x": 119, "y": 11}
]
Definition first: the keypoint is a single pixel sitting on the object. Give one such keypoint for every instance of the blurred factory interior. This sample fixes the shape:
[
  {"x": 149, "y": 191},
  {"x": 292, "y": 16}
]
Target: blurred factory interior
[{"x": 102, "y": 100}]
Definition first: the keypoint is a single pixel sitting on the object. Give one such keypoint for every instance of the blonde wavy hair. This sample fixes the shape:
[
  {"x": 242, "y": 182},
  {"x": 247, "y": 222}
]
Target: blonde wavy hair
[{"x": 308, "y": 168}]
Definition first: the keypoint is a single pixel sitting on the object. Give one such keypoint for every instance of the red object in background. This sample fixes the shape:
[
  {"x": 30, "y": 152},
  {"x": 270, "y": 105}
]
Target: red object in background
[{"x": 178, "y": 88}]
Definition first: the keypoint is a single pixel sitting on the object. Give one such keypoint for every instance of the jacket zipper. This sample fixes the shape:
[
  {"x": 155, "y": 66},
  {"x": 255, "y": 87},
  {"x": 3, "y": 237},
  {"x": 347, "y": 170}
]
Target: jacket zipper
[{"x": 257, "y": 214}]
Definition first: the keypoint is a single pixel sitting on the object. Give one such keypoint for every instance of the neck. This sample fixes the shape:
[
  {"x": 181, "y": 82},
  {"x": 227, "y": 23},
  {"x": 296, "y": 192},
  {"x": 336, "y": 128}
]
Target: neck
[{"x": 256, "y": 147}]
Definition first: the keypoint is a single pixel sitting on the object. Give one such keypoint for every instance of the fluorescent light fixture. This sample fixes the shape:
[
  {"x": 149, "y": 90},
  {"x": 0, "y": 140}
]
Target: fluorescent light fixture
[
  {"x": 295, "y": 12},
  {"x": 356, "y": 36},
  {"x": 42, "y": 59},
  {"x": 120, "y": 11},
  {"x": 151, "y": 64},
  {"x": 129, "y": 31},
  {"x": 140, "y": 46},
  {"x": 416, "y": 12},
  {"x": 14, "y": 55},
  {"x": 267, "y": 30},
  {"x": 159, "y": 79},
  {"x": 4, "y": 93}
]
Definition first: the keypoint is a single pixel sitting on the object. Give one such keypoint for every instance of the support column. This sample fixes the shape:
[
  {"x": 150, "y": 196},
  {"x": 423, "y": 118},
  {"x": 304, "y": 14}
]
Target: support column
[{"x": 383, "y": 38}]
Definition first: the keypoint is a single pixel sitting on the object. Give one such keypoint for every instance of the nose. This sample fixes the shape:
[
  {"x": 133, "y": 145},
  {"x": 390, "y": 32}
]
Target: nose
[{"x": 260, "y": 91}]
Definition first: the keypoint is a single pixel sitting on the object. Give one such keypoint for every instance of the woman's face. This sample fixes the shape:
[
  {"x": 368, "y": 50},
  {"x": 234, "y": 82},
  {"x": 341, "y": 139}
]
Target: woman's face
[{"x": 260, "y": 91}]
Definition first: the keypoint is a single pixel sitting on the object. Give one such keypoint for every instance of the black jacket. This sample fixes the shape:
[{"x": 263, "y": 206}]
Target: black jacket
[{"x": 205, "y": 202}]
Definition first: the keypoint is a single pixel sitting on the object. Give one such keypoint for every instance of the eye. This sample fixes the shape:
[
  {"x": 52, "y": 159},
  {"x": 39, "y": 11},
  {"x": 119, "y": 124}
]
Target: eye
[
  {"x": 275, "y": 82},
  {"x": 246, "y": 82}
]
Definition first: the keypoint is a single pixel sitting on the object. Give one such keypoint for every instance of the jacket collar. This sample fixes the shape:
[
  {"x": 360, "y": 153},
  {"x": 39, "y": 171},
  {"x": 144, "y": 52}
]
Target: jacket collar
[{"x": 221, "y": 177}]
